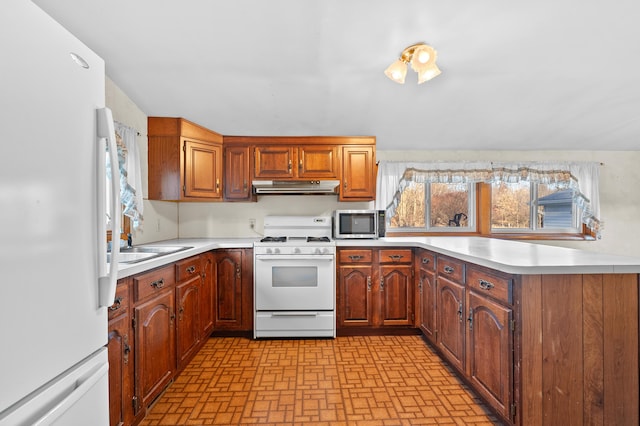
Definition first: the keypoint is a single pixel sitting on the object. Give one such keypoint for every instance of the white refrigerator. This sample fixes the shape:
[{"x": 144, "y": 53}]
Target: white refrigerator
[{"x": 55, "y": 282}]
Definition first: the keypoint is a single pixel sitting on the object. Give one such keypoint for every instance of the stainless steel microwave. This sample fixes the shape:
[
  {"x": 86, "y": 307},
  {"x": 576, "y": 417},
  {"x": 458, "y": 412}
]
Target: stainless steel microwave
[{"x": 363, "y": 224}]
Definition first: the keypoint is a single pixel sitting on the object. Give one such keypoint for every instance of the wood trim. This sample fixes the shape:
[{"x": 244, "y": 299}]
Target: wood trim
[
  {"x": 529, "y": 351},
  {"x": 300, "y": 140}
]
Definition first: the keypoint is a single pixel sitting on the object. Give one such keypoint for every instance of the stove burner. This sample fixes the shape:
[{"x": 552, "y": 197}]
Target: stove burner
[
  {"x": 273, "y": 240},
  {"x": 318, "y": 240}
]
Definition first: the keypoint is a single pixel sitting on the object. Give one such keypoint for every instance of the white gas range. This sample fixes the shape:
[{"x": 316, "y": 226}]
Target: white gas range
[{"x": 295, "y": 278}]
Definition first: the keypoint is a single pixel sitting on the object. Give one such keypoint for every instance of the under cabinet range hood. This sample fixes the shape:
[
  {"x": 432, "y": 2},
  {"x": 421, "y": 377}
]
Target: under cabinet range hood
[{"x": 295, "y": 186}]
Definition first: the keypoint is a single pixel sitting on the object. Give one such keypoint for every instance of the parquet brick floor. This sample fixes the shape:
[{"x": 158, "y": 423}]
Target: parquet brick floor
[{"x": 362, "y": 381}]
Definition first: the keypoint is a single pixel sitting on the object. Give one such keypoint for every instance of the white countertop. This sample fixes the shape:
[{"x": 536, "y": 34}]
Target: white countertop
[{"x": 508, "y": 256}]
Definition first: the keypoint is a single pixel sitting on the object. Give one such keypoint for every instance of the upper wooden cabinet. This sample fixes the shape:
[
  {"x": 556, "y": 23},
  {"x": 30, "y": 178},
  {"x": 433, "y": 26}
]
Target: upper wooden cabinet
[
  {"x": 185, "y": 161},
  {"x": 303, "y": 162},
  {"x": 358, "y": 173},
  {"x": 348, "y": 159}
]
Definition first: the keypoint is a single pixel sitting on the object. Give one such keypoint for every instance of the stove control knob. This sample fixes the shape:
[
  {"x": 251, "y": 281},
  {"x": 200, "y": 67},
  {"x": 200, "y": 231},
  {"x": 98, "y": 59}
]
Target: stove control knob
[
  {"x": 268, "y": 250},
  {"x": 318, "y": 250},
  {"x": 276, "y": 250},
  {"x": 297, "y": 250}
]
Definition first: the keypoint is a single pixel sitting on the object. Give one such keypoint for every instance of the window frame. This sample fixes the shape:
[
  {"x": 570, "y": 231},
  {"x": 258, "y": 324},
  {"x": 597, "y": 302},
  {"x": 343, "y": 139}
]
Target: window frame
[{"x": 483, "y": 205}]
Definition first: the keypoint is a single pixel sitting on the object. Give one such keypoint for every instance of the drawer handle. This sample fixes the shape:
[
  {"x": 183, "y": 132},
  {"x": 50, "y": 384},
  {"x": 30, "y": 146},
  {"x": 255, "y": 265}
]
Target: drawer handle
[
  {"x": 355, "y": 257},
  {"x": 158, "y": 284},
  {"x": 448, "y": 269},
  {"x": 396, "y": 257},
  {"x": 486, "y": 285},
  {"x": 425, "y": 260},
  {"x": 117, "y": 303},
  {"x": 191, "y": 269}
]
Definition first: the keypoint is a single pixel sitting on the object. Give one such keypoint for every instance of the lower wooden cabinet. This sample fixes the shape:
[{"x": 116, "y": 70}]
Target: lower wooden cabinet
[
  {"x": 155, "y": 353},
  {"x": 374, "y": 288},
  {"x": 232, "y": 273},
  {"x": 426, "y": 280},
  {"x": 450, "y": 321},
  {"x": 120, "y": 351}
]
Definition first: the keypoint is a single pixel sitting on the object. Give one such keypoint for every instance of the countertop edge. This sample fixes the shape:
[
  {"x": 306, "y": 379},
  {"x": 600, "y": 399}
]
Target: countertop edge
[{"x": 513, "y": 257}]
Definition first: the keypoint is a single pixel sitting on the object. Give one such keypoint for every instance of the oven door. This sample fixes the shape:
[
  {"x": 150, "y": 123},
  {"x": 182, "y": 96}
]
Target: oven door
[{"x": 294, "y": 282}]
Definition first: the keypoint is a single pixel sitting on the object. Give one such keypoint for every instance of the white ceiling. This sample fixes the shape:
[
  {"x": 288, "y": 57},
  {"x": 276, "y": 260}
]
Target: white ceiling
[{"x": 540, "y": 75}]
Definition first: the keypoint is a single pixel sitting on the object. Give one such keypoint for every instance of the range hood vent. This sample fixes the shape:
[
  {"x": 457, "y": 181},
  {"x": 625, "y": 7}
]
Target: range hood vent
[{"x": 295, "y": 186}]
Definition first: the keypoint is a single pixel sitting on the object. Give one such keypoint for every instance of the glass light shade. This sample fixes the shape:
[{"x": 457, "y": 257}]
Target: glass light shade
[
  {"x": 423, "y": 58},
  {"x": 428, "y": 74},
  {"x": 397, "y": 71}
]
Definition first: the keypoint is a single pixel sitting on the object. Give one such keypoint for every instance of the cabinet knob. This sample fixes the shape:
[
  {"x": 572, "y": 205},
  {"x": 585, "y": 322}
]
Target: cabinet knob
[
  {"x": 117, "y": 303},
  {"x": 158, "y": 284},
  {"x": 191, "y": 269},
  {"x": 448, "y": 269},
  {"x": 425, "y": 260},
  {"x": 486, "y": 285},
  {"x": 368, "y": 283}
]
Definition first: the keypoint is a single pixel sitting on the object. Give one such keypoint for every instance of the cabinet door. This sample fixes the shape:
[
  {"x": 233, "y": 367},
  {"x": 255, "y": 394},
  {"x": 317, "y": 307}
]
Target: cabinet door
[
  {"x": 155, "y": 345},
  {"x": 119, "y": 346},
  {"x": 188, "y": 325},
  {"x": 427, "y": 283},
  {"x": 202, "y": 169},
  {"x": 450, "y": 321},
  {"x": 396, "y": 295},
  {"x": 228, "y": 290},
  {"x": 318, "y": 162},
  {"x": 207, "y": 296},
  {"x": 358, "y": 173},
  {"x": 489, "y": 350},
  {"x": 354, "y": 296},
  {"x": 274, "y": 162},
  {"x": 237, "y": 185}
]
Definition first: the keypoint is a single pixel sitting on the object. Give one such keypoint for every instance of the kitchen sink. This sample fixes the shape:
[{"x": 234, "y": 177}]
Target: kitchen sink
[{"x": 140, "y": 253}]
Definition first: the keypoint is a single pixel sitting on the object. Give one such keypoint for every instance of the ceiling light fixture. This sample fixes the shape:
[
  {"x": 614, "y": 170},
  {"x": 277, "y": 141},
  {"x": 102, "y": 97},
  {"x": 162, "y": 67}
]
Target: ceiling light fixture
[{"x": 422, "y": 58}]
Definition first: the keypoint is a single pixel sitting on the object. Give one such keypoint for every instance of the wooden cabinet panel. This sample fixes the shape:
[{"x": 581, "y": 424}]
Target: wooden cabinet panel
[
  {"x": 427, "y": 297},
  {"x": 153, "y": 282},
  {"x": 375, "y": 288},
  {"x": 237, "y": 173},
  {"x": 188, "y": 331},
  {"x": 203, "y": 169},
  {"x": 207, "y": 295},
  {"x": 489, "y": 358},
  {"x": 452, "y": 269},
  {"x": 318, "y": 162},
  {"x": 185, "y": 161},
  {"x": 495, "y": 285},
  {"x": 358, "y": 173},
  {"x": 274, "y": 162},
  {"x": 120, "y": 353},
  {"x": 155, "y": 353},
  {"x": 354, "y": 296},
  {"x": 450, "y": 322},
  {"x": 233, "y": 290},
  {"x": 396, "y": 295}
]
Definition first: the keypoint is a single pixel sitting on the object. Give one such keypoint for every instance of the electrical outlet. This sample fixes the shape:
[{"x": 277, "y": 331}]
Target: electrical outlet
[{"x": 252, "y": 223}]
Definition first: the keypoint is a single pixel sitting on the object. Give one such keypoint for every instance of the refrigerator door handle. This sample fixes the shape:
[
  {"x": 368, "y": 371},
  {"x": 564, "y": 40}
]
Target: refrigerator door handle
[{"x": 107, "y": 283}]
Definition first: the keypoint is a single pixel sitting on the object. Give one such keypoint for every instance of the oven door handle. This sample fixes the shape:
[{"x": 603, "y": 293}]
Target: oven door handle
[
  {"x": 328, "y": 257},
  {"x": 294, "y": 314}
]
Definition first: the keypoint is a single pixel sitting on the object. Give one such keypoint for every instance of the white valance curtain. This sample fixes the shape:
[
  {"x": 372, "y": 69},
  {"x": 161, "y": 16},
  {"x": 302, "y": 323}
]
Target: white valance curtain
[{"x": 581, "y": 177}]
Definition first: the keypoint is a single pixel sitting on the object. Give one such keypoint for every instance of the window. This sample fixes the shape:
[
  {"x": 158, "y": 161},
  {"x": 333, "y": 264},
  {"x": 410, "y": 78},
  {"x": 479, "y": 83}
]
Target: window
[
  {"x": 532, "y": 207},
  {"x": 449, "y": 208},
  {"x": 551, "y": 200}
]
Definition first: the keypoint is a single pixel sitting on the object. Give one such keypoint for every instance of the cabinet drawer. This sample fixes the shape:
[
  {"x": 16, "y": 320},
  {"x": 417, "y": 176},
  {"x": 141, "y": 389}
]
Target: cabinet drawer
[
  {"x": 153, "y": 282},
  {"x": 188, "y": 268},
  {"x": 121, "y": 302},
  {"x": 495, "y": 285},
  {"x": 451, "y": 268},
  {"x": 355, "y": 256},
  {"x": 395, "y": 256},
  {"x": 426, "y": 260}
]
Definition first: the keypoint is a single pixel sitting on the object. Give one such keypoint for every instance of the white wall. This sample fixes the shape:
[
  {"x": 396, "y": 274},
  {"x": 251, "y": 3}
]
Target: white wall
[
  {"x": 160, "y": 218},
  {"x": 619, "y": 194}
]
